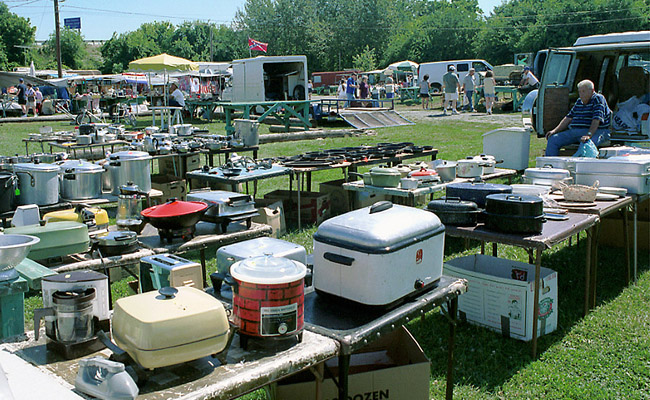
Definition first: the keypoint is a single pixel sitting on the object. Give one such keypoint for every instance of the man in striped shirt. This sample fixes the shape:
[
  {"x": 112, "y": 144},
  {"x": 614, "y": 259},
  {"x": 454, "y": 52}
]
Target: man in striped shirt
[{"x": 590, "y": 118}]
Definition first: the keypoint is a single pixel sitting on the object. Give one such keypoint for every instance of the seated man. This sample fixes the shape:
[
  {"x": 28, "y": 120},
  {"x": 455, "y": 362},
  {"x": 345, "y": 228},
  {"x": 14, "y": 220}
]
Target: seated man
[
  {"x": 176, "y": 98},
  {"x": 529, "y": 82},
  {"x": 590, "y": 118}
]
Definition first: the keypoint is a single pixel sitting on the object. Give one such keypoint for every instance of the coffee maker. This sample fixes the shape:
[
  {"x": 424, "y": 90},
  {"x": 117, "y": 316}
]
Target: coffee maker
[{"x": 75, "y": 309}]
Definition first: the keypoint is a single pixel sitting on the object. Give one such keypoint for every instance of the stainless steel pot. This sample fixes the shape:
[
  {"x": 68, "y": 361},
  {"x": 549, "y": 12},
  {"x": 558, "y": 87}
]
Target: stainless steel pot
[
  {"x": 130, "y": 166},
  {"x": 84, "y": 139},
  {"x": 45, "y": 158},
  {"x": 446, "y": 170},
  {"x": 80, "y": 180},
  {"x": 38, "y": 183}
]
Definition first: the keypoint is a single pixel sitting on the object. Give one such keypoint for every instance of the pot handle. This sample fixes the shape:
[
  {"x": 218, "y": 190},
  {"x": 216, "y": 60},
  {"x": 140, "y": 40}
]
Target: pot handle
[
  {"x": 70, "y": 177},
  {"x": 513, "y": 196},
  {"x": 168, "y": 292},
  {"x": 380, "y": 206},
  {"x": 452, "y": 199},
  {"x": 338, "y": 259},
  {"x": 39, "y": 314},
  {"x": 238, "y": 199},
  {"x": 33, "y": 181}
]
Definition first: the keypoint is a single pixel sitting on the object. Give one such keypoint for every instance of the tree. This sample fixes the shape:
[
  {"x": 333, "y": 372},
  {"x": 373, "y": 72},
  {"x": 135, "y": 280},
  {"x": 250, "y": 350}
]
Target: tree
[
  {"x": 14, "y": 31},
  {"x": 366, "y": 60},
  {"x": 73, "y": 48}
]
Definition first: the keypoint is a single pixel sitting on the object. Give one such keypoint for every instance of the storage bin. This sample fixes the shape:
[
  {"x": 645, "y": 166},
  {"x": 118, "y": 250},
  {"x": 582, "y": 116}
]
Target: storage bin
[{"x": 512, "y": 145}]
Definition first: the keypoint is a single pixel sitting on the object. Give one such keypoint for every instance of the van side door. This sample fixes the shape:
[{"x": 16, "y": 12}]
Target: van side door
[{"x": 555, "y": 84}]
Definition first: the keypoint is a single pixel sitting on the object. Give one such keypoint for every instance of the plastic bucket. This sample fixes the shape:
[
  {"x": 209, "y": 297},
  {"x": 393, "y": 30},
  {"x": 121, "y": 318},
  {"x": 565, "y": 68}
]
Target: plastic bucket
[{"x": 246, "y": 130}]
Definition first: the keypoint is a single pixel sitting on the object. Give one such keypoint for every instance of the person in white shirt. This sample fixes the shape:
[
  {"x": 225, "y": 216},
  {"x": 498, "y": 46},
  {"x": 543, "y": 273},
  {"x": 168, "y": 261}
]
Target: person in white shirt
[
  {"x": 340, "y": 93},
  {"x": 528, "y": 81},
  {"x": 176, "y": 98}
]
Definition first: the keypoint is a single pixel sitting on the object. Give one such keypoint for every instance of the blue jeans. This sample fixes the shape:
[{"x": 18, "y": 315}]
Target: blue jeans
[
  {"x": 469, "y": 106},
  {"x": 573, "y": 135},
  {"x": 350, "y": 97}
]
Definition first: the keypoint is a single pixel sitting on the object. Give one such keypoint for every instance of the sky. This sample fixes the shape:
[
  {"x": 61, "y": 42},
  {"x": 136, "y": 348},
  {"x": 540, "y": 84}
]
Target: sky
[{"x": 100, "y": 19}]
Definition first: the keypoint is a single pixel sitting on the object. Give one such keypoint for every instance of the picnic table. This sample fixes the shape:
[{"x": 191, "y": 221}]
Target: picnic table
[{"x": 282, "y": 111}]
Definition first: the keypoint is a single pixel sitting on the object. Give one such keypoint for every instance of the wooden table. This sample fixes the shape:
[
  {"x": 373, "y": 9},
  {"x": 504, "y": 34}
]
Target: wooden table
[
  {"x": 209, "y": 105},
  {"x": 354, "y": 326},
  {"x": 553, "y": 233},
  {"x": 27, "y": 362},
  {"x": 282, "y": 111}
]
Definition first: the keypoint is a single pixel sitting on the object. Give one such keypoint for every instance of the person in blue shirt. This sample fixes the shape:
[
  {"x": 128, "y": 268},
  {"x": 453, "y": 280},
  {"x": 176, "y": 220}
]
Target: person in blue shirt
[
  {"x": 350, "y": 89},
  {"x": 590, "y": 118}
]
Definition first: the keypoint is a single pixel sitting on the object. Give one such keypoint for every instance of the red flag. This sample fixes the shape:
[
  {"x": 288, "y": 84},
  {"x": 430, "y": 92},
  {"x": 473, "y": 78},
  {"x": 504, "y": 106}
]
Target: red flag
[{"x": 255, "y": 45}]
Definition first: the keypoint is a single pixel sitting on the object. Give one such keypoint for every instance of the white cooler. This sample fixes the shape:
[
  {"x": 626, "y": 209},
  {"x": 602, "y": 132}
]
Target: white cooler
[
  {"x": 512, "y": 145},
  {"x": 379, "y": 254}
]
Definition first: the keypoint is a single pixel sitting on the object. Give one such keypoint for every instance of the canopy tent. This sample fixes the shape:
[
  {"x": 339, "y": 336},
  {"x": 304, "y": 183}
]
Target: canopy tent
[
  {"x": 406, "y": 65},
  {"x": 8, "y": 79},
  {"x": 163, "y": 62}
]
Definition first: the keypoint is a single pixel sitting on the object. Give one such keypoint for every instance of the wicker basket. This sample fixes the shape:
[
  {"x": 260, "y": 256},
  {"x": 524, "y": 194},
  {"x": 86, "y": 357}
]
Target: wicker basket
[{"x": 580, "y": 193}]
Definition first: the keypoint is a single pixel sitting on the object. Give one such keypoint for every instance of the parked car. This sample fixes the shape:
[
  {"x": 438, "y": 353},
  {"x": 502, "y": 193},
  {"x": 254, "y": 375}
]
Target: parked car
[
  {"x": 617, "y": 63},
  {"x": 437, "y": 69}
]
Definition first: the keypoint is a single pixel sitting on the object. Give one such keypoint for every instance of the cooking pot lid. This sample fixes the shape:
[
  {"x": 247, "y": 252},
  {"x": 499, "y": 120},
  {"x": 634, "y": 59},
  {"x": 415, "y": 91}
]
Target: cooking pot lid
[
  {"x": 480, "y": 186},
  {"x": 268, "y": 270},
  {"x": 514, "y": 198},
  {"x": 73, "y": 297},
  {"x": 129, "y": 188},
  {"x": 384, "y": 170},
  {"x": 547, "y": 170},
  {"x": 80, "y": 166},
  {"x": 116, "y": 238},
  {"x": 424, "y": 172},
  {"x": 76, "y": 276},
  {"x": 130, "y": 155},
  {"x": 39, "y": 167},
  {"x": 451, "y": 204},
  {"x": 174, "y": 208}
]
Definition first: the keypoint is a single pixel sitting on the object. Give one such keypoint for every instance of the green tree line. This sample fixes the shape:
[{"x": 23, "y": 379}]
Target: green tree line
[{"x": 338, "y": 34}]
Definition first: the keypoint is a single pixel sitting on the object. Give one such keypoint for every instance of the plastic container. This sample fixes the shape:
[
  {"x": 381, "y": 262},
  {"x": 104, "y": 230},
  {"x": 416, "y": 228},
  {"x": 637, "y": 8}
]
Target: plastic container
[{"x": 512, "y": 145}]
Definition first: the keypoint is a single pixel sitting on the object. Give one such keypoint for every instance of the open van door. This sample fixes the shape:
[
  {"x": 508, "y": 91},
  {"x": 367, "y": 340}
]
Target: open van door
[{"x": 554, "y": 88}]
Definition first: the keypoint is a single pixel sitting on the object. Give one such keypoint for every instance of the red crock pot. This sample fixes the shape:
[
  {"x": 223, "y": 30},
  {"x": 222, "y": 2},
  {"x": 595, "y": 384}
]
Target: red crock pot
[{"x": 268, "y": 296}]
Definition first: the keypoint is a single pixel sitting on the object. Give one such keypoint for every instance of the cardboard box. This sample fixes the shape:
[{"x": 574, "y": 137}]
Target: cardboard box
[
  {"x": 394, "y": 367},
  {"x": 178, "y": 165},
  {"x": 612, "y": 233},
  {"x": 500, "y": 295},
  {"x": 171, "y": 187},
  {"x": 314, "y": 206},
  {"x": 272, "y": 214},
  {"x": 339, "y": 197}
]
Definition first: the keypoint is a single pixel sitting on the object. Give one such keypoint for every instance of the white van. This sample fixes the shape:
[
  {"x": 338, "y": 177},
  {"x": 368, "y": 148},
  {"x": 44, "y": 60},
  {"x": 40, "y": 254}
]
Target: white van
[
  {"x": 437, "y": 69},
  {"x": 268, "y": 78},
  {"x": 617, "y": 63}
]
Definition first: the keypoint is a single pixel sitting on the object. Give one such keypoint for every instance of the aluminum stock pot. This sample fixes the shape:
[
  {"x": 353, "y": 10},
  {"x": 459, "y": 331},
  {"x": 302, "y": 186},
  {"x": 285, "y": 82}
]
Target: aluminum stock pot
[
  {"x": 268, "y": 296},
  {"x": 38, "y": 183},
  {"x": 130, "y": 166},
  {"x": 80, "y": 180},
  {"x": 470, "y": 168}
]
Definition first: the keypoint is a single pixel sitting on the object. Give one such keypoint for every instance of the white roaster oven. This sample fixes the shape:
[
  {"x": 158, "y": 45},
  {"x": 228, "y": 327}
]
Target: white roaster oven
[{"x": 379, "y": 254}]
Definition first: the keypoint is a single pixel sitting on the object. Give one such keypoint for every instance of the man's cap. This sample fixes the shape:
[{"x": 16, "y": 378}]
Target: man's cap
[
  {"x": 452, "y": 68},
  {"x": 21, "y": 80},
  {"x": 526, "y": 68}
]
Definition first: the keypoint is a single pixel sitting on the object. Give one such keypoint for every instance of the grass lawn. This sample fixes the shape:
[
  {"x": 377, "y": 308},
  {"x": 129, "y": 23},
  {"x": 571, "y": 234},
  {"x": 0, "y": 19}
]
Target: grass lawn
[{"x": 603, "y": 356}]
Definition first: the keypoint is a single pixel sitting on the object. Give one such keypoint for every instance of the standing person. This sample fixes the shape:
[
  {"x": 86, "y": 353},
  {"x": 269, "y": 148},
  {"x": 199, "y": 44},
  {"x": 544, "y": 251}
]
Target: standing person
[
  {"x": 364, "y": 89},
  {"x": 424, "y": 92},
  {"x": 310, "y": 88},
  {"x": 39, "y": 99},
  {"x": 31, "y": 100},
  {"x": 22, "y": 96},
  {"x": 340, "y": 92},
  {"x": 488, "y": 91},
  {"x": 450, "y": 87},
  {"x": 469, "y": 81},
  {"x": 350, "y": 89},
  {"x": 176, "y": 98},
  {"x": 390, "y": 88},
  {"x": 590, "y": 118},
  {"x": 528, "y": 81}
]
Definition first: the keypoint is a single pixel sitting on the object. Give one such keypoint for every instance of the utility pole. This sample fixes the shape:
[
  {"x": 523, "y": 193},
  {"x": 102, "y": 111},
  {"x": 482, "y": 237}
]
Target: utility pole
[
  {"x": 211, "y": 57},
  {"x": 58, "y": 38}
]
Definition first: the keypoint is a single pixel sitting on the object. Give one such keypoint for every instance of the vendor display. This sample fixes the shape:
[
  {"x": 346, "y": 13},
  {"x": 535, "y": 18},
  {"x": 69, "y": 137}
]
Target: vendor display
[
  {"x": 175, "y": 219},
  {"x": 225, "y": 207},
  {"x": 629, "y": 172}
]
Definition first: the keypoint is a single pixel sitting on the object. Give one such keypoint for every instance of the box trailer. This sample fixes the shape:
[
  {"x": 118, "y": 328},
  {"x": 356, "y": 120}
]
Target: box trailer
[
  {"x": 437, "y": 69},
  {"x": 268, "y": 78}
]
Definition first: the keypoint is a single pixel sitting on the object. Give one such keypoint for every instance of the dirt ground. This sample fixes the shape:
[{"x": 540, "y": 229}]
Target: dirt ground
[{"x": 436, "y": 116}]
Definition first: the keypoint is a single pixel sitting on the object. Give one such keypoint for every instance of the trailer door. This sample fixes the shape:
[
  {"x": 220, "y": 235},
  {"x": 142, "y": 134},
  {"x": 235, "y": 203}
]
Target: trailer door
[{"x": 555, "y": 85}]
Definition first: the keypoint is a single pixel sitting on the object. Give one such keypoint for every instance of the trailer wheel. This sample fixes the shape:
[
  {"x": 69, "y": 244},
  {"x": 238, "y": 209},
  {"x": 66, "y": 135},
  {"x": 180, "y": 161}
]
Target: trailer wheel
[
  {"x": 436, "y": 88},
  {"x": 299, "y": 92}
]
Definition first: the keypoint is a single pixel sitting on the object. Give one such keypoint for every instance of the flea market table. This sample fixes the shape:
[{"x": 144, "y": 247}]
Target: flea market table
[
  {"x": 553, "y": 233},
  {"x": 354, "y": 325},
  {"x": 282, "y": 111}
]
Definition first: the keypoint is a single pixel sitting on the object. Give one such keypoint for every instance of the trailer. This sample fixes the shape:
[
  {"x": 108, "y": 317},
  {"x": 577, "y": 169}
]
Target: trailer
[{"x": 267, "y": 78}]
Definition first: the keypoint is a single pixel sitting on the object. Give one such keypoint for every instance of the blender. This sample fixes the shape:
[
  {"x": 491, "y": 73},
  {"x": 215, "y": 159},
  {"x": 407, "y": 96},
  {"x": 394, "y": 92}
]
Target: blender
[{"x": 129, "y": 206}]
